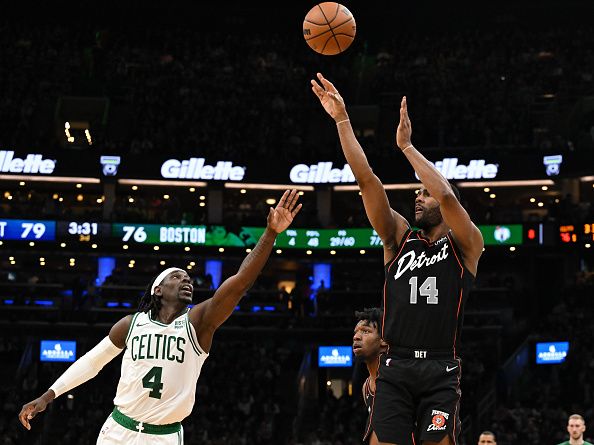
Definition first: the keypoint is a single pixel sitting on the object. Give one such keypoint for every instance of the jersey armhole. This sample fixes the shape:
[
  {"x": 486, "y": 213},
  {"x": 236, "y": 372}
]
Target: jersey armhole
[
  {"x": 458, "y": 254},
  {"x": 193, "y": 337},
  {"x": 131, "y": 327},
  {"x": 398, "y": 250}
]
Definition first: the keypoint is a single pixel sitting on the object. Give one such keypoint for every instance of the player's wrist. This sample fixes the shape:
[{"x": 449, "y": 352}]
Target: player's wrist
[
  {"x": 341, "y": 117},
  {"x": 406, "y": 146}
]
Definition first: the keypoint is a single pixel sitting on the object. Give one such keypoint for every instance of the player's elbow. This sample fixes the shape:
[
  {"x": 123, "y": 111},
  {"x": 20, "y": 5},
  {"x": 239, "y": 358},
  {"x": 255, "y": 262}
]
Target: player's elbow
[
  {"x": 446, "y": 196},
  {"x": 366, "y": 179}
]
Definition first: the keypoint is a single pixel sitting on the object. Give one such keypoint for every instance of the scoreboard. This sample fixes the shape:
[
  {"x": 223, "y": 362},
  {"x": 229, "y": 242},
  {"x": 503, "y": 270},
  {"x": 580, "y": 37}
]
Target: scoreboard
[
  {"x": 247, "y": 236},
  {"x": 571, "y": 234},
  {"x": 22, "y": 229}
]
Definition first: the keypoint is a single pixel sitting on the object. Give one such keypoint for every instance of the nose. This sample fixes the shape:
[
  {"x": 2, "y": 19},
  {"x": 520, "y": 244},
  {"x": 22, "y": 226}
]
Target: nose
[{"x": 356, "y": 336}]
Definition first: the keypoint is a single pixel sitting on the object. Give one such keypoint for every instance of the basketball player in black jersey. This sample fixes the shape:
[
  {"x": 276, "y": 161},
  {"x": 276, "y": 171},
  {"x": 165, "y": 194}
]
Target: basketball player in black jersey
[
  {"x": 368, "y": 346},
  {"x": 428, "y": 276}
]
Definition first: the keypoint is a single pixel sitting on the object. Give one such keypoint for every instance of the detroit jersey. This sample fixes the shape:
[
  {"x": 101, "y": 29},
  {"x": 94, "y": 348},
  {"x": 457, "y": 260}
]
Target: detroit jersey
[
  {"x": 368, "y": 397},
  {"x": 425, "y": 291},
  {"x": 160, "y": 368}
]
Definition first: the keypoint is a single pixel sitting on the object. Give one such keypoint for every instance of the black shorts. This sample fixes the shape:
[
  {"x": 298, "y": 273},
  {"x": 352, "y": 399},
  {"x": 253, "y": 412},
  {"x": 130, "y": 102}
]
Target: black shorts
[{"x": 419, "y": 397}]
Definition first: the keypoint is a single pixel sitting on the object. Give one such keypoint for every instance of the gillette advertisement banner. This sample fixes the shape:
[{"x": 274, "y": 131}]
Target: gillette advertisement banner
[{"x": 395, "y": 169}]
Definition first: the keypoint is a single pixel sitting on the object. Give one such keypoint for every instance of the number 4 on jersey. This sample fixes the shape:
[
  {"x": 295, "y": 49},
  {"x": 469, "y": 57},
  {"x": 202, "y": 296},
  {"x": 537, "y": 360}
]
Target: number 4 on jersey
[
  {"x": 152, "y": 380},
  {"x": 428, "y": 289}
]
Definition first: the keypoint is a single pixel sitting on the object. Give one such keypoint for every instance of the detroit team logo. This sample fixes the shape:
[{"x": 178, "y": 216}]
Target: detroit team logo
[{"x": 439, "y": 421}]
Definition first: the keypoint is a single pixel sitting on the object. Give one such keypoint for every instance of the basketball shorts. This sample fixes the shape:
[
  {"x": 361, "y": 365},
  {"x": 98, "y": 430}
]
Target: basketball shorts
[
  {"x": 416, "y": 399},
  {"x": 112, "y": 433}
]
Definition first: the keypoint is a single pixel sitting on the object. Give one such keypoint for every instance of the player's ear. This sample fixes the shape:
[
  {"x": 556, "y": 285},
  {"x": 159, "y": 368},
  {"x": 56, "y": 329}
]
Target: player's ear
[
  {"x": 383, "y": 343},
  {"x": 158, "y": 291}
]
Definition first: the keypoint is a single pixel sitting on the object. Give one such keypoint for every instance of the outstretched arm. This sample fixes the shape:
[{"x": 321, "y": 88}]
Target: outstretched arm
[
  {"x": 84, "y": 369},
  {"x": 467, "y": 235},
  {"x": 210, "y": 314},
  {"x": 388, "y": 224}
]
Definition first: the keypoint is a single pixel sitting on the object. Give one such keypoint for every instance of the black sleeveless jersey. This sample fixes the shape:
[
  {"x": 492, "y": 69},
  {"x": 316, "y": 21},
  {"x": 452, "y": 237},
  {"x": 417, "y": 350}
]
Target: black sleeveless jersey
[{"x": 424, "y": 294}]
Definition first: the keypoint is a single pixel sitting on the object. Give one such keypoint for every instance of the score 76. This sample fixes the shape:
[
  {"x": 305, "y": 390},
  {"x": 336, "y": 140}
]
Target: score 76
[{"x": 137, "y": 233}]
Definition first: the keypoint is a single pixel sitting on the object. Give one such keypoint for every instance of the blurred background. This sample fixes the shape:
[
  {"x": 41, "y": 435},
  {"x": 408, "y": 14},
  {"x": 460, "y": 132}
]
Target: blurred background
[{"x": 136, "y": 136}]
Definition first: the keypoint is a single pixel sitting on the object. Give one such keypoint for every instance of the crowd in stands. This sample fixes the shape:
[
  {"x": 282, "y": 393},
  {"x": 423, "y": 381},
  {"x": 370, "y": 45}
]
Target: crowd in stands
[
  {"x": 535, "y": 409},
  {"x": 219, "y": 94},
  {"x": 241, "y": 398}
]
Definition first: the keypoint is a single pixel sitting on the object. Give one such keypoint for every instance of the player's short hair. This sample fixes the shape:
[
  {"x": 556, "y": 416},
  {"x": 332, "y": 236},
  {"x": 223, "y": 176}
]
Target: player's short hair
[
  {"x": 576, "y": 417},
  {"x": 455, "y": 190},
  {"x": 489, "y": 433},
  {"x": 372, "y": 315}
]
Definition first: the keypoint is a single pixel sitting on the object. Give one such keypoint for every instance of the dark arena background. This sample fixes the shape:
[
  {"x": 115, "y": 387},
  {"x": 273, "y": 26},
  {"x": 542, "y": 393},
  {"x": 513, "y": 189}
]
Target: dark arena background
[{"x": 136, "y": 136}]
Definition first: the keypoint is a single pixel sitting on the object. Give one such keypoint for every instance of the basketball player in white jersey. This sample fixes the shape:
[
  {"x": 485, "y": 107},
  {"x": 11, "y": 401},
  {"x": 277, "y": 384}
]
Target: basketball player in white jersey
[{"x": 165, "y": 345}]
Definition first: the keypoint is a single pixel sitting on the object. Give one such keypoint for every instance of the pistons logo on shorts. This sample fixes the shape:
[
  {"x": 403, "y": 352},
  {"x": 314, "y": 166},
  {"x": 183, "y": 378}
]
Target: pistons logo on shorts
[{"x": 439, "y": 421}]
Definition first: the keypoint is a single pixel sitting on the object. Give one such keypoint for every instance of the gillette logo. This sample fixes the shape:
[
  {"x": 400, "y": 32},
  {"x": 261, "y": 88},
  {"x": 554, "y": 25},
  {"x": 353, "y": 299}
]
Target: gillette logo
[
  {"x": 33, "y": 163},
  {"x": 195, "y": 168},
  {"x": 320, "y": 173},
  {"x": 476, "y": 169}
]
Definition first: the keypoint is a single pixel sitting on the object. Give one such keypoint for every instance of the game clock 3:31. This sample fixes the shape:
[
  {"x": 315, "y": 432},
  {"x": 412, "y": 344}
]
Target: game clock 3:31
[{"x": 83, "y": 230}]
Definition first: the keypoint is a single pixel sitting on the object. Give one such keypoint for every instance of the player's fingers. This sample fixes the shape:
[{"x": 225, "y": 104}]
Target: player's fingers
[
  {"x": 327, "y": 84},
  {"x": 283, "y": 199},
  {"x": 294, "y": 212},
  {"x": 24, "y": 418},
  {"x": 316, "y": 87},
  {"x": 292, "y": 200}
]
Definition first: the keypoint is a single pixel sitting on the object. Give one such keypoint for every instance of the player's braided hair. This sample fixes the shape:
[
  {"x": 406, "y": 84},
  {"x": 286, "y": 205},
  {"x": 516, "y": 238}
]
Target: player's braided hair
[
  {"x": 372, "y": 315},
  {"x": 149, "y": 301}
]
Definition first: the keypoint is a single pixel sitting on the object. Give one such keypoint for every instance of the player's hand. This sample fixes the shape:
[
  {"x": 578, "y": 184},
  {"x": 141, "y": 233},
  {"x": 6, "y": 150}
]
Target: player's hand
[
  {"x": 282, "y": 215},
  {"x": 330, "y": 99},
  {"x": 31, "y": 409},
  {"x": 404, "y": 131}
]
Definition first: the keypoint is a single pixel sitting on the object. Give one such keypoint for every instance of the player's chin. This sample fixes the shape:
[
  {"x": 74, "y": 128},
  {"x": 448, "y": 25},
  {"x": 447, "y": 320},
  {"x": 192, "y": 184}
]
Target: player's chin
[
  {"x": 185, "y": 298},
  {"x": 359, "y": 352}
]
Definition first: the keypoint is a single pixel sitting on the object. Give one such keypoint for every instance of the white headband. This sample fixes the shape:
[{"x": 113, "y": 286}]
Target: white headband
[{"x": 162, "y": 276}]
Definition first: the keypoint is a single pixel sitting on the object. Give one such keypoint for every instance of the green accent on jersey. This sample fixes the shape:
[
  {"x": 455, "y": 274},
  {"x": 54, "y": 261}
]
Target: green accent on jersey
[
  {"x": 567, "y": 443},
  {"x": 147, "y": 428},
  {"x": 152, "y": 380},
  {"x": 155, "y": 321}
]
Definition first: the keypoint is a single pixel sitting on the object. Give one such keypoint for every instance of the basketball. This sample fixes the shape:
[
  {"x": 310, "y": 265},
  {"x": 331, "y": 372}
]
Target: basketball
[{"x": 329, "y": 28}]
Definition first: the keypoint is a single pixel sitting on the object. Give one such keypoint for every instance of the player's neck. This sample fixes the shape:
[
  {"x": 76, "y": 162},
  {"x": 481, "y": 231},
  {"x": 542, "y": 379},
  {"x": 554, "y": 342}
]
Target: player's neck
[
  {"x": 168, "y": 313},
  {"x": 579, "y": 441},
  {"x": 372, "y": 368},
  {"x": 436, "y": 232}
]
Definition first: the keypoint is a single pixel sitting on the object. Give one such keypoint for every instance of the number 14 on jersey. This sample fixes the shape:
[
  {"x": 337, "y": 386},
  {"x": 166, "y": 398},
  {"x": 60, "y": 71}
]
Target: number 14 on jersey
[{"x": 427, "y": 289}]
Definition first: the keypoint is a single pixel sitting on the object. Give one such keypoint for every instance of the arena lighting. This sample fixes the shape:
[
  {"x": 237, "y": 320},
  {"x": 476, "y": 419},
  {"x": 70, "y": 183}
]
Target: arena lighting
[
  {"x": 162, "y": 182},
  {"x": 587, "y": 179},
  {"x": 520, "y": 183},
  {"x": 232, "y": 185},
  {"x": 49, "y": 179}
]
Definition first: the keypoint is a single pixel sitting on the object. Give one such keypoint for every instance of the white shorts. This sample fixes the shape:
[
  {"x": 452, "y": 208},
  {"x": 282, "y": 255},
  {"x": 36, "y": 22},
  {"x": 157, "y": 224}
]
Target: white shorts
[{"x": 112, "y": 433}]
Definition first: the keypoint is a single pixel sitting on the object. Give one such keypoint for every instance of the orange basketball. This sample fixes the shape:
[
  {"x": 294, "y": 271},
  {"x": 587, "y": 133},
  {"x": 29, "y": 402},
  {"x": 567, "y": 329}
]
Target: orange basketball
[{"x": 329, "y": 28}]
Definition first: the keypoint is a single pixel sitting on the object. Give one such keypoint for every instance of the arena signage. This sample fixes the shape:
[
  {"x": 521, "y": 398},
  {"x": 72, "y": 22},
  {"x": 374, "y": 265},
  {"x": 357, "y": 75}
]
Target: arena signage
[
  {"x": 335, "y": 356},
  {"x": 57, "y": 351},
  {"x": 196, "y": 168},
  {"x": 476, "y": 169},
  {"x": 320, "y": 173},
  {"x": 32, "y": 163},
  {"x": 551, "y": 353}
]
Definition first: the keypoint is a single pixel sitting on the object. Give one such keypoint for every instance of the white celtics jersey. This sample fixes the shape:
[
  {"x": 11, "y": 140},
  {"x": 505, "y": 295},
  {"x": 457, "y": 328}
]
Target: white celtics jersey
[{"x": 160, "y": 368}]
